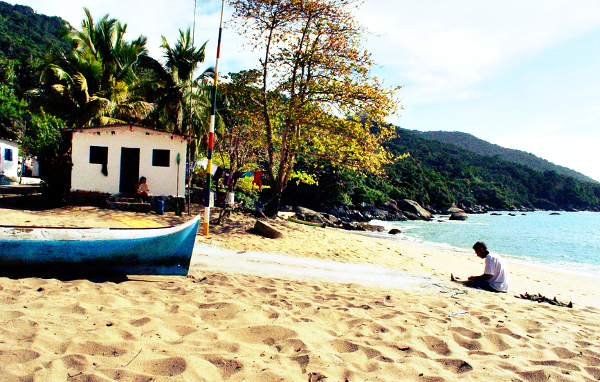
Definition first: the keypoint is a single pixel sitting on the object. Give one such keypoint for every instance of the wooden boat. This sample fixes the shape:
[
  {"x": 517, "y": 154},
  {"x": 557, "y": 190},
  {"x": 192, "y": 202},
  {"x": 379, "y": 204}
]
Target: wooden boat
[{"x": 58, "y": 251}]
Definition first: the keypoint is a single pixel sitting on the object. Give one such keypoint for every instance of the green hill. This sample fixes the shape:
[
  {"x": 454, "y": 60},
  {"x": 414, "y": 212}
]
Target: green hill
[
  {"x": 439, "y": 175},
  {"x": 26, "y": 38},
  {"x": 444, "y": 173},
  {"x": 479, "y": 146}
]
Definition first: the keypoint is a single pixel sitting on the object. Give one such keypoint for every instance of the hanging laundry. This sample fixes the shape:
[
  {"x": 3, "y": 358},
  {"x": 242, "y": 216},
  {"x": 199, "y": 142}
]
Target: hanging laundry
[
  {"x": 257, "y": 181},
  {"x": 202, "y": 162},
  {"x": 226, "y": 177},
  {"x": 217, "y": 174}
]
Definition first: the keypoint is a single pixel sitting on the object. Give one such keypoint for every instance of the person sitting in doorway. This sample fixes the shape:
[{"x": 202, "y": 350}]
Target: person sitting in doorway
[{"x": 142, "y": 189}]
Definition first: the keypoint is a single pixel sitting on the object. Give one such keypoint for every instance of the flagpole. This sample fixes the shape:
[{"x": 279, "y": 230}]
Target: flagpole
[{"x": 211, "y": 131}]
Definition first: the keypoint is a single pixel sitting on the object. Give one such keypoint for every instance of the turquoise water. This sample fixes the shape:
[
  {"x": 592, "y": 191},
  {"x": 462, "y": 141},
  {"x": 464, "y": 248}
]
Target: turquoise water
[{"x": 569, "y": 241}]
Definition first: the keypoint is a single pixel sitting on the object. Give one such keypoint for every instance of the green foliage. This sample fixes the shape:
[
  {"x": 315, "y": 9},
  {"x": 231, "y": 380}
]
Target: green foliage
[
  {"x": 283, "y": 118},
  {"x": 246, "y": 198},
  {"x": 42, "y": 136},
  {"x": 303, "y": 177},
  {"x": 313, "y": 70},
  {"x": 13, "y": 115},
  {"x": 439, "y": 174},
  {"x": 479, "y": 146},
  {"x": 368, "y": 196},
  {"x": 239, "y": 138},
  {"x": 93, "y": 83},
  {"x": 26, "y": 39},
  {"x": 7, "y": 77}
]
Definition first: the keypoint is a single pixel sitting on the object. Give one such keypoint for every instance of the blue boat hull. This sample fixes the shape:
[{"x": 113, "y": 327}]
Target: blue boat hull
[{"x": 96, "y": 252}]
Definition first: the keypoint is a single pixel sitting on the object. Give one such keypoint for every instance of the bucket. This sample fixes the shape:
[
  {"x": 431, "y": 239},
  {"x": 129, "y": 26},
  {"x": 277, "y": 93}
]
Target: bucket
[
  {"x": 160, "y": 207},
  {"x": 230, "y": 198}
]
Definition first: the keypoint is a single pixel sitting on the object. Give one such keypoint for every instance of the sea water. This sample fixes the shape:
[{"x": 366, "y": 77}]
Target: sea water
[{"x": 566, "y": 241}]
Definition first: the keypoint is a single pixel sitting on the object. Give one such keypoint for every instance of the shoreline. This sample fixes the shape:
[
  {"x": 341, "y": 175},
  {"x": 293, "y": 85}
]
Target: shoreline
[
  {"x": 510, "y": 243},
  {"x": 511, "y": 259}
]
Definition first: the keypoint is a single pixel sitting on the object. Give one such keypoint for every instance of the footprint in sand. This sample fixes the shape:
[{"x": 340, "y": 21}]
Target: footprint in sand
[
  {"x": 75, "y": 362},
  {"x": 457, "y": 366},
  {"x": 436, "y": 345},
  {"x": 226, "y": 367},
  {"x": 556, "y": 364},
  {"x": 593, "y": 371},
  {"x": 12, "y": 315},
  {"x": 466, "y": 343},
  {"x": 507, "y": 332},
  {"x": 268, "y": 334},
  {"x": 292, "y": 346},
  {"x": 342, "y": 346},
  {"x": 165, "y": 367},
  {"x": 123, "y": 375},
  {"x": 97, "y": 349},
  {"x": 140, "y": 321},
  {"x": 466, "y": 332},
  {"x": 497, "y": 342},
  {"x": 534, "y": 376},
  {"x": 18, "y": 356},
  {"x": 218, "y": 311}
]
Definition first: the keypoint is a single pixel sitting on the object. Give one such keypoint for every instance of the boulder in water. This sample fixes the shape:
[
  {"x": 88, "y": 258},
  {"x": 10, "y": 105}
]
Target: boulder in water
[{"x": 459, "y": 216}]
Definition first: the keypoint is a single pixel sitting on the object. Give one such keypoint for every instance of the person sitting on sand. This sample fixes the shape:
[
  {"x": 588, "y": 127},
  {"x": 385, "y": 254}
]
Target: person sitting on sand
[
  {"x": 142, "y": 189},
  {"x": 495, "y": 275}
]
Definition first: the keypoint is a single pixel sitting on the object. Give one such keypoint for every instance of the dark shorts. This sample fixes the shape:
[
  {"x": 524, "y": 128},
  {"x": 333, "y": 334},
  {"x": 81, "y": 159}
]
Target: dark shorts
[{"x": 481, "y": 284}]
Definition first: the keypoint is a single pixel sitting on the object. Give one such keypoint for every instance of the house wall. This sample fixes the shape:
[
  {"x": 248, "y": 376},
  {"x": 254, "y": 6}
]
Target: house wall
[
  {"x": 9, "y": 168},
  {"x": 88, "y": 176}
]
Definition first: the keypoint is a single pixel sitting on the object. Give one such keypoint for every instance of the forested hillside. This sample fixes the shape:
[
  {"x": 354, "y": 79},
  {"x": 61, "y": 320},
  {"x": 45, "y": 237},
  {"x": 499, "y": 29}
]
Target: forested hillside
[
  {"x": 439, "y": 175},
  {"x": 479, "y": 146},
  {"x": 26, "y": 37},
  {"x": 448, "y": 173}
]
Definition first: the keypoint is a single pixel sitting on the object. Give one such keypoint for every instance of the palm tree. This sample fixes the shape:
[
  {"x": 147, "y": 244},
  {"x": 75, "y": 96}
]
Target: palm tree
[
  {"x": 94, "y": 83},
  {"x": 172, "y": 86}
]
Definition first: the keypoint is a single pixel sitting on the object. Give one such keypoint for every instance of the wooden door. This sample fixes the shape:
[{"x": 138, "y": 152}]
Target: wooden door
[{"x": 130, "y": 169}]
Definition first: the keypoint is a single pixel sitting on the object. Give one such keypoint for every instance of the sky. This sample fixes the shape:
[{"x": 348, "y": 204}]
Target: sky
[{"x": 521, "y": 74}]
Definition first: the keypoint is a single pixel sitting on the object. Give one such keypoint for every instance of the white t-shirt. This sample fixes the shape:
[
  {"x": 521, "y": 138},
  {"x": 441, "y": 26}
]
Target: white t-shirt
[{"x": 494, "y": 265}]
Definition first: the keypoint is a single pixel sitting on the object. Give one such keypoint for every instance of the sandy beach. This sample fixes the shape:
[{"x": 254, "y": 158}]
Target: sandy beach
[{"x": 274, "y": 310}]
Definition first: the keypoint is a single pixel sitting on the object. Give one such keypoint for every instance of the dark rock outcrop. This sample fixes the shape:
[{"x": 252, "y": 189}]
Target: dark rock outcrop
[
  {"x": 413, "y": 211},
  {"x": 459, "y": 216}
]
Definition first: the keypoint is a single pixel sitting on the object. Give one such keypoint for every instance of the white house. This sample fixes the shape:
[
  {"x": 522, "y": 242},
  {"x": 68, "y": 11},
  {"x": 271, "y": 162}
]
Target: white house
[
  {"x": 111, "y": 159},
  {"x": 9, "y": 158}
]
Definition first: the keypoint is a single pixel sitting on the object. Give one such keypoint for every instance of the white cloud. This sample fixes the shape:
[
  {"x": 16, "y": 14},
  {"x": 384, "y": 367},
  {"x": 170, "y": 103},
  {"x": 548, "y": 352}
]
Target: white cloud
[{"x": 437, "y": 48}]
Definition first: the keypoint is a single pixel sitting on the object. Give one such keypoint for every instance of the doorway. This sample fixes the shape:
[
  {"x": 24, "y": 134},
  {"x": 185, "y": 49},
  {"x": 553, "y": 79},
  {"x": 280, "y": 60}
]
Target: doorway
[{"x": 130, "y": 170}]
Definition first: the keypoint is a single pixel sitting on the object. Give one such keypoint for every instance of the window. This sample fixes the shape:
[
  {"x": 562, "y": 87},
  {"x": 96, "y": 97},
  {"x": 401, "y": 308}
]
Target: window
[
  {"x": 161, "y": 158},
  {"x": 99, "y": 154},
  {"x": 8, "y": 155}
]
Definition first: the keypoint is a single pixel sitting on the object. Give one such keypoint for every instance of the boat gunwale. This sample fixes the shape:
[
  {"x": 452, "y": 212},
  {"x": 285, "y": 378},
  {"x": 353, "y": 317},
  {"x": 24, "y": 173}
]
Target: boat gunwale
[{"x": 101, "y": 228}]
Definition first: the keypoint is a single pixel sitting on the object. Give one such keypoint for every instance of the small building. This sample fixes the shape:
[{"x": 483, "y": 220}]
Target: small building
[
  {"x": 9, "y": 159},
  {"x": 111, "y": 159}
]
